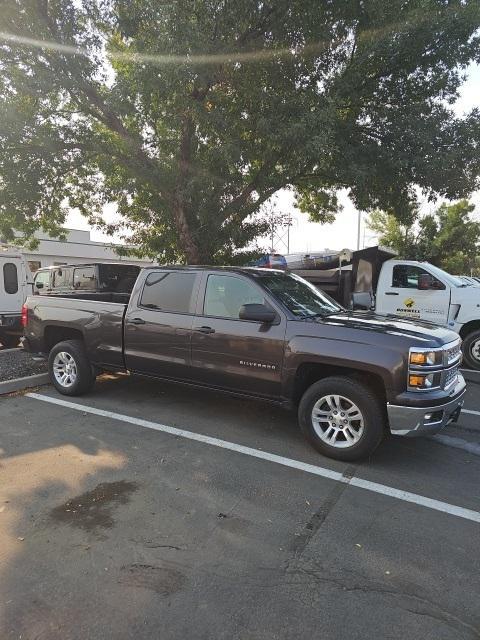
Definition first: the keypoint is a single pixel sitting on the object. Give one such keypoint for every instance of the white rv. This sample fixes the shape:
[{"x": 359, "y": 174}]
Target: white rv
[{"x": 15, "y": 285}]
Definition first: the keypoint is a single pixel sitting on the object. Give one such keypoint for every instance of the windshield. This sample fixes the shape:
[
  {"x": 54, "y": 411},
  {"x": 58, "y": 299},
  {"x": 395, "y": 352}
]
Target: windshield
[
  {"x": 299, "y": 296},
  {"x": 443, "y": 276}
]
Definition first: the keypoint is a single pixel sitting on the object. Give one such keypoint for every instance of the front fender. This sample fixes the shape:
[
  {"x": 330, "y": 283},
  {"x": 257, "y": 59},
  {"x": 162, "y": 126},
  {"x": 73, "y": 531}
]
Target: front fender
[{"x": 388, "y": 364}]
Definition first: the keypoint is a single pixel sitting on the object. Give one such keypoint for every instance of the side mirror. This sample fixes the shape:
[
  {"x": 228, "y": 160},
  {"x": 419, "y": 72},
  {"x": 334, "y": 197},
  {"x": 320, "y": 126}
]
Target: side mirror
[
  {"x": 362, "y": 300},
  {"x": 38, "y": 285},
  {"x": 257, "y": 313}
]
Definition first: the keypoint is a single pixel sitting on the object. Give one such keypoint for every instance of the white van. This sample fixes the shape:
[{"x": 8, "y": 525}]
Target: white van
[{"x": 16, "y": 283}]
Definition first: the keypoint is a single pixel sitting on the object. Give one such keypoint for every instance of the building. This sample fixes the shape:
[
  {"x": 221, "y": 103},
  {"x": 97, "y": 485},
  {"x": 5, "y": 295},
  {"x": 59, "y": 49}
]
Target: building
[{"x": 76, "y": 249}]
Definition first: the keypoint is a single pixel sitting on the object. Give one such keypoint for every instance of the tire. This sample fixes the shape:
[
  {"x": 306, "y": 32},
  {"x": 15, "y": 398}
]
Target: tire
[
  {"x": 70, "y": 357},
  {"x": 9, "y": 342},
  {"x": 471, "y": 350},
  {"x": 352, "y": 401}
]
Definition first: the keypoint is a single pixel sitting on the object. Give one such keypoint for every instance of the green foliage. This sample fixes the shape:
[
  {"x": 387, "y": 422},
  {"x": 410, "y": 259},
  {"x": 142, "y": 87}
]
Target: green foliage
[
  {"x": 206, "y": 108},
  {"x": 448, "y": 238}
]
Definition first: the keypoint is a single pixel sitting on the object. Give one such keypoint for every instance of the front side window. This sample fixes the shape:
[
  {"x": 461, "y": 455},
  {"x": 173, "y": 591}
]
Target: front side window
[
  {"x": 10, "y": 277},
  {"x": 168, "y": 291},
  {"x": 300, "y": 297},
  {"x": 43, "y": 279},
  {"x": 406, "y": 276},
  {"x": 84, "y": 278},
  {"x": 226, "y": 294}
]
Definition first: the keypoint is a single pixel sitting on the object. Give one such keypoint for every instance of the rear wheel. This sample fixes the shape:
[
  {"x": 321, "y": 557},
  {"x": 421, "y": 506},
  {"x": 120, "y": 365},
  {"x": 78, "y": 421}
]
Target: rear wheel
[
  {"x": 9, "y": 342},
  {"x": 471, "y": 350},
  {"x": 70, "y": 369},
  {"x": 342, "y": 418}
]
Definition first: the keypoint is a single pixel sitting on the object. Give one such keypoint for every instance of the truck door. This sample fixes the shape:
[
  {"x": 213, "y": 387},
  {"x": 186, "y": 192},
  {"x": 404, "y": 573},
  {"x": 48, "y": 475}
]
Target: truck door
[
  {"x": 158, "y": 324},
  {"x": 12, "y": 286},
  {"x": 400, "y": 293},
  {"x": 231, "y": 353}
]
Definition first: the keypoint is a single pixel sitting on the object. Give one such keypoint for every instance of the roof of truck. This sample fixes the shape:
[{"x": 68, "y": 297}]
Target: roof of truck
[
  {"x": 90, "y": 264},
  {"x": 206, "y": 267}
]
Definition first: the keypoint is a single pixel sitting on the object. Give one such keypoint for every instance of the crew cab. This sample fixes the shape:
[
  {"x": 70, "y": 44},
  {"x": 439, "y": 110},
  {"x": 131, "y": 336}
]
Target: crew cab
[{"x": 352, "y": 376}]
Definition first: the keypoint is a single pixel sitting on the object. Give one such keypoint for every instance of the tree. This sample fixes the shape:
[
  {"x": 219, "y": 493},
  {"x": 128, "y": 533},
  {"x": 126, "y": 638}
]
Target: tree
[
  {"x": 448, "y": 238},
  {"x": 191, "y": 114}
]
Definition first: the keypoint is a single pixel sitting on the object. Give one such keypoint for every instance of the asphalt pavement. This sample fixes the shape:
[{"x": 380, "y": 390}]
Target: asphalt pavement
[{"x": 149, "y": 510}]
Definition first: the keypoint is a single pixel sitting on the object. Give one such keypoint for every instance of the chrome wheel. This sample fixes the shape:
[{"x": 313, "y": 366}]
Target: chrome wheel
[
  {"x": 65, "y": 369},
  {"x": 337, "y": 421}
]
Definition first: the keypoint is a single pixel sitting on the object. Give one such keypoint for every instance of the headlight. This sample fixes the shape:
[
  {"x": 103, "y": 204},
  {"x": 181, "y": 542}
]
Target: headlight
[
  {"x": 420, "y": 381},
  {"x": 422, "y": 358}
]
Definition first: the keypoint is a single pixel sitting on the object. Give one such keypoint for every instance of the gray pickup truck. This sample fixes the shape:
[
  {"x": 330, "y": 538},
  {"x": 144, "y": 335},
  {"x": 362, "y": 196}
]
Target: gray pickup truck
[{"x": 352, "y": 376}]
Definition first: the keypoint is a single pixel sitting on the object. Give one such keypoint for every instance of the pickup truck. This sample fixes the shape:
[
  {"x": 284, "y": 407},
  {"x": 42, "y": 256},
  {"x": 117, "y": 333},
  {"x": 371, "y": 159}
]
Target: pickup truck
[
  {"x": 352, "y": 376},
  {"x": 371, "y": 279}
]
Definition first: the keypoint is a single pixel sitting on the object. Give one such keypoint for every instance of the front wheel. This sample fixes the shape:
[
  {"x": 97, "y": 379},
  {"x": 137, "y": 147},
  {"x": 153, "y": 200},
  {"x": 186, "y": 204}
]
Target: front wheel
[
  {"x": 471, "y": 350},
  {"x": 70, "y": 369},
  {"x": 342, "y": 418}
]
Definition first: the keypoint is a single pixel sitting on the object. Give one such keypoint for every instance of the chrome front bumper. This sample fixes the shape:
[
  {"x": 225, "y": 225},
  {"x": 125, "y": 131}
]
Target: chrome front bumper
[{"x": 421, "y": 421}]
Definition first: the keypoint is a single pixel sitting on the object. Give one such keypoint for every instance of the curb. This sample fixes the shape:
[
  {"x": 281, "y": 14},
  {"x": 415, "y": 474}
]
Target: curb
[
  {"x": 19, "y": 384},
  {"x": 10, "y": 350}
]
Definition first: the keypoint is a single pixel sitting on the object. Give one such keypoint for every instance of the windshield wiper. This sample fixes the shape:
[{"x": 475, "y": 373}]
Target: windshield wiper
[{"x": 319, "y": 314}]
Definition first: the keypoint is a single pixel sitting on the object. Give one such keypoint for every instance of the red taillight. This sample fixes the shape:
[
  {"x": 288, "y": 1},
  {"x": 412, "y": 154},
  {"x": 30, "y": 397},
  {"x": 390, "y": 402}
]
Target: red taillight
[{"x": 24, "y": 315}]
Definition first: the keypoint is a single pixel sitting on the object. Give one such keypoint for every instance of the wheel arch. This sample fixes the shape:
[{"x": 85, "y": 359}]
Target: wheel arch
[
  {"x": 310, "y": 372},
  {"x": 54, "y": 334},
  {"x": 469, "y": 327}
]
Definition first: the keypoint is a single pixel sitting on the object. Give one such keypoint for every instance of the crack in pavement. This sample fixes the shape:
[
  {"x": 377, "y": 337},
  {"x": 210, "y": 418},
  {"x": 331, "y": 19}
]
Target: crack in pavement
[{"x": 316, "y": 521}]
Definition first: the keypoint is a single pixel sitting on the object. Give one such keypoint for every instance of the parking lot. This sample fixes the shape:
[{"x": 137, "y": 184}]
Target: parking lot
[{"x": 151, "y": 510}]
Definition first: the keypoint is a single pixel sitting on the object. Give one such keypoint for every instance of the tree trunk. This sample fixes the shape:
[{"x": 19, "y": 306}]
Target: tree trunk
[{"x": 187, "y": 243}]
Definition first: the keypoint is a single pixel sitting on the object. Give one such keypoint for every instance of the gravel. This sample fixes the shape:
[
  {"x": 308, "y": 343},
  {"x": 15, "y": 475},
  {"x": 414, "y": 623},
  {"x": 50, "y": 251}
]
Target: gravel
[{"x": 18, "y": 364}]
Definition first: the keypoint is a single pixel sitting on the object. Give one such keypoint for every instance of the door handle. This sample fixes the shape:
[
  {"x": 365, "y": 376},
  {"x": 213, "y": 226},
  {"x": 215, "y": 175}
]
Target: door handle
[
  {"x": 205, "y": 330},
  {"x": 136, "y": 321},
  {"x": 391, "y": 293}
]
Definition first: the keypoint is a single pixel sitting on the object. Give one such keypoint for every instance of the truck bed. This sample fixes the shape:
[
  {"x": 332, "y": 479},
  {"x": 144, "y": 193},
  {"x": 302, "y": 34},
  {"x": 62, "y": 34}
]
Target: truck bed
[{"x": 99, "y": 322}]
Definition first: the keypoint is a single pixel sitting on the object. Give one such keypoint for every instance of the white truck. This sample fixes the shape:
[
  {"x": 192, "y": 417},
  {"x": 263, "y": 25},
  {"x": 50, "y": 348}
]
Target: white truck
[
  {"x": 16, "y": 283},
  {"x": 371, "y": 279}
]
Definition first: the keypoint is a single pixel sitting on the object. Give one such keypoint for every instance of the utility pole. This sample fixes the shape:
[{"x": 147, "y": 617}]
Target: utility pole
[
  {"x": 358, "y": 229},
  {"x": 279, "y": 230}
]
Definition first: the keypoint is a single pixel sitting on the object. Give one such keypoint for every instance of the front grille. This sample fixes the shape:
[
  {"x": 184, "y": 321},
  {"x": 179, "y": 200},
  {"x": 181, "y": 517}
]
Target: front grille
[
  {"x": 453, "y": 353},
  {"x": 450, "y": 377}
]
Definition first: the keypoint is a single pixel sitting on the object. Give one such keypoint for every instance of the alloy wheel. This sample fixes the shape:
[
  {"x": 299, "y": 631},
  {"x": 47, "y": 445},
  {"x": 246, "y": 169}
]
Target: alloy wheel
[{"x": 337, "y": 421}]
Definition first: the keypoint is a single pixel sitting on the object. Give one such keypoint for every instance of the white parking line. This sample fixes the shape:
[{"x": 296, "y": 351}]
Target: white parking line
[
  {"x": 475, "y": 413},
  {"x": 385, "y": 490},
  {"x": 457, "y": 443},
  {"x": 469, "y": 371}
]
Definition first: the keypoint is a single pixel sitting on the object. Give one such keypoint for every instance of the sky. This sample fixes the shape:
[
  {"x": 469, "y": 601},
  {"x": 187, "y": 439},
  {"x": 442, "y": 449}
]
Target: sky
[{"x": 305, "y": 236}]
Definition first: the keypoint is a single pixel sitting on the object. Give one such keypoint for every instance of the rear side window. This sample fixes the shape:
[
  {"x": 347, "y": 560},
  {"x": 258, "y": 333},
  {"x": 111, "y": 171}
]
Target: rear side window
[
  {"x": 10, "y": 277},
  {"x": 84, "y": 278},
  {"x": 61, "y": 278},
  {"x": 168, "y": 291}
]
